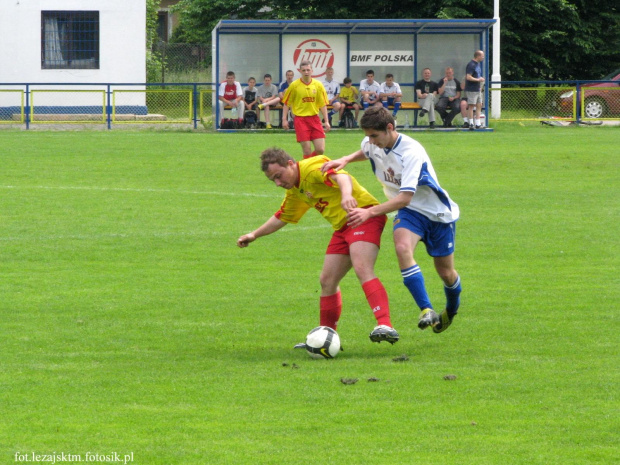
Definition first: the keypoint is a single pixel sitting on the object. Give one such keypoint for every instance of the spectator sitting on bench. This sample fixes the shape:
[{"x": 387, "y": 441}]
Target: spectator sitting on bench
[
  {"x": 230, "y": 94},
  {"x": 391, "y": 95},
  {"x": 265, "y": 93},
  {"x": 249, "y": 95},
  {"x": 348, "y": 97},
  {"x": 449, "y": 98},
  {"x": 333, "y": 91},
  {"x": 370, "y": 89},
  {"x": 426, "y": 90}
]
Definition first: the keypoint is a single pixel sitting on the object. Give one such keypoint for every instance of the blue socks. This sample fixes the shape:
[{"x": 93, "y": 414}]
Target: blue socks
[
  {"x": 414, "y": 281},
  {"x": 453, "y": 299},
  {"x": 396, "y": 108}
]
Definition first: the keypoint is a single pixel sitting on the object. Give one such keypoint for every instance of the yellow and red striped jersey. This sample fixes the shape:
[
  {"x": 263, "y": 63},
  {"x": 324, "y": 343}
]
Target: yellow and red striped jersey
[
  {"x": 316, "y": 189},
  {"x": 305, "y": 99}
]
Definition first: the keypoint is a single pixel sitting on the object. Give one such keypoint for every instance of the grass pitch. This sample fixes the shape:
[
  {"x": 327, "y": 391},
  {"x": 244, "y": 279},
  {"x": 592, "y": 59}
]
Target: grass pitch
[{"x": 132, "y": 324}]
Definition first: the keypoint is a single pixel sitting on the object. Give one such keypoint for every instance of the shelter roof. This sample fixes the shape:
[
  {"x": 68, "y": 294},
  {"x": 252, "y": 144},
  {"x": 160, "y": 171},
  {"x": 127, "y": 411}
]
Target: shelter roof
[{"x": 355, "y": 26}]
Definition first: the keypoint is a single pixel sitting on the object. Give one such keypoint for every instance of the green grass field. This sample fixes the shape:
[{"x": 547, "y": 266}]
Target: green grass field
[{"x": 130, "y": 322}]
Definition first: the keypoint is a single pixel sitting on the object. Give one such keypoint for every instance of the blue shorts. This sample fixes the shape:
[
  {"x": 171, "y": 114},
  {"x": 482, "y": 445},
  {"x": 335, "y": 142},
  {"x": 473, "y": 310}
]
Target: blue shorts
[{"x": 438, "y": 237}]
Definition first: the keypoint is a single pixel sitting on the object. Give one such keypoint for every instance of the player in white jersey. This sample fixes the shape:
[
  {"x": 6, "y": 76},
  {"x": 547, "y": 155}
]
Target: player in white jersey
[
  {"x": 391, "y": 94},
  {"x": 333, "y": 93},
  {"x": 425, "y": 211},
  {"x": 370, "y": 90}
]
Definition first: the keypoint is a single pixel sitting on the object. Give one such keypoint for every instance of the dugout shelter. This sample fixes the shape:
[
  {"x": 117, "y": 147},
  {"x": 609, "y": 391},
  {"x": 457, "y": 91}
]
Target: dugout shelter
[{"x": 402, "y": 47}]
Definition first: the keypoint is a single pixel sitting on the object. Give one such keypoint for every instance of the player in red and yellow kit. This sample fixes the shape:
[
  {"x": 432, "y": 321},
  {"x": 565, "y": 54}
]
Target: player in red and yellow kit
[
  {"x": 332, "y": 194},
  {"x": 307, "y": 98}
]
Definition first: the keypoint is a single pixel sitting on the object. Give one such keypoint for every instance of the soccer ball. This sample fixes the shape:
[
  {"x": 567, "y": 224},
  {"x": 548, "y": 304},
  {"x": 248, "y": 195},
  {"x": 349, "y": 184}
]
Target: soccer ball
[{"x": 323, "y": 342}]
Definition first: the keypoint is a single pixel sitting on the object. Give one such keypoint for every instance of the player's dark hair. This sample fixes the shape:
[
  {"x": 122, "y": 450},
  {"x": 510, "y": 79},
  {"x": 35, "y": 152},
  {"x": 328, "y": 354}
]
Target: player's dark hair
[
  {"x": 347, "y": 80},
  {"x": 230, "y": 73},
  {"x": 370, "y": 71},
  {"x": 389, "y": 75},
  {"x": 377, "y": 118},
  {"x": 274, "y": 155},
  {"x": 267, "y": 76}
]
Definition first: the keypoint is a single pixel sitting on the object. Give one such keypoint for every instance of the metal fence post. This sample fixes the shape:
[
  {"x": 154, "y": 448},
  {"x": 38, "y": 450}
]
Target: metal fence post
[
  {"x": 27, "y": 115},
  {"x": 196, "y": 103},
  {"x": 109, "y": 107}
]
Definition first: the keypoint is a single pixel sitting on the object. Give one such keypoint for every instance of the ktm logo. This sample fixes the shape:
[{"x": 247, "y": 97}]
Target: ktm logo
[{"x": 317, "y": 52}]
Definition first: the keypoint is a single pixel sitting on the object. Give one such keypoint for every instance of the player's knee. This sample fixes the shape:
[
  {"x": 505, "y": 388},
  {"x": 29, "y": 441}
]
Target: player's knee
[
  {"x": 329, "y": 285},
  {"x": 403, "y": 249}
]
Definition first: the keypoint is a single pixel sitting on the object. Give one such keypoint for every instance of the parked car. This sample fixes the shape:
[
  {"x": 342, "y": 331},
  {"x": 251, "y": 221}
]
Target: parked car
[{"x": 598, "y": 100}]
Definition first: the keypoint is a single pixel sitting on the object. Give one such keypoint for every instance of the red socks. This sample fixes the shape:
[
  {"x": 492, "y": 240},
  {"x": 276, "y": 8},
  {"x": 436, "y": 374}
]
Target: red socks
[
  {"x": 378, "y": 301},
  {"x": 331, "y": 307},
  {"x": 313, "y": 154}
]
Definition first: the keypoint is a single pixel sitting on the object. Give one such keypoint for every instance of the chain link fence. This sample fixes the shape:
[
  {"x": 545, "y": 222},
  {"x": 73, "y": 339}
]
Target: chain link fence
[
  {"x": 523, "y": 102},
  {"x": 180, "y": 63},
  {"x": 193, "y": 103}
]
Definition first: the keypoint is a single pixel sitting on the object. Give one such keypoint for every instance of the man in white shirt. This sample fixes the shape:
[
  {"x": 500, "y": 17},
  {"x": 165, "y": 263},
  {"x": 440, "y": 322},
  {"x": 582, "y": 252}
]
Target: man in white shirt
[
  {"x": 370, "y": 90},
  {"x": 391, "y": 94},
  {"x": 333, "y": 93},
  {"x": 425, "y": 212}
]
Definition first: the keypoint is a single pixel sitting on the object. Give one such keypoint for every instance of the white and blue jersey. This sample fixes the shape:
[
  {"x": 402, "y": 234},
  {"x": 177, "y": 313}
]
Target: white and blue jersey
[
  {"x": 406, "y": 167},
  {"x": 332, "y": 88}
]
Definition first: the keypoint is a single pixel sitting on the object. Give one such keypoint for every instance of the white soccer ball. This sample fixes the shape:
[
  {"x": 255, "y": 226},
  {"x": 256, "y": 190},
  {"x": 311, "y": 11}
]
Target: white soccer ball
[{"x": 323, "y": 342}]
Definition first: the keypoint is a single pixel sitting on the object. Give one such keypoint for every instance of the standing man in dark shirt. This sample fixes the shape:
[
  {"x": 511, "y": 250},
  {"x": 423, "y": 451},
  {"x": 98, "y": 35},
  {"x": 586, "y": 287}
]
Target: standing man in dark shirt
[{"x": 473, "y": 89}]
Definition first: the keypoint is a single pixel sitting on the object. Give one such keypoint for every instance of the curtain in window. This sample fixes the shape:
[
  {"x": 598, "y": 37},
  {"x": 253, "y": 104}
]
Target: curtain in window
[{"x": 52, "y": 39}]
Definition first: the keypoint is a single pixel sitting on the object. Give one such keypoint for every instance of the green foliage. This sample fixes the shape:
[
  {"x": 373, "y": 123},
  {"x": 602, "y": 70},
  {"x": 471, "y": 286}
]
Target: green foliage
[
  {"x": 154, "y": 61},
  {"x": 131, "y": 322},
  {"x": 541, "y": 39}
]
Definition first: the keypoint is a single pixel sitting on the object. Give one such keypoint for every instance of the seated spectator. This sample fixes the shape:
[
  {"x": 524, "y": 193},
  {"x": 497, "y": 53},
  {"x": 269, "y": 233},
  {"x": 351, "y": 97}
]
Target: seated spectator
[
  {"x": 333, "y": 91},
  {"x": 391, "y": 95},
  {"x": 370, "y": 90},
  {"x": 249, "y": 95},
  {"x": 426, "y": 90},
  {"x": 449, "y": 103},
  {"x": 348, "y": 97},
  {"x": 230, "y": 94},
  {"x": 265, "y": 93},
  {"x": 283, "y": 86}
]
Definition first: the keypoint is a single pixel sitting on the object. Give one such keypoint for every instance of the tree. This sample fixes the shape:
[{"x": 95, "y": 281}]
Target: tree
[{"x": 541, "y": 39}]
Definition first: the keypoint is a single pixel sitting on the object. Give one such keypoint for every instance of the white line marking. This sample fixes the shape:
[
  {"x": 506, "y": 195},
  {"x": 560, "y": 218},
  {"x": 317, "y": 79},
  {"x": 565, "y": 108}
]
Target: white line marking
[{"x": 130, "y": 189}]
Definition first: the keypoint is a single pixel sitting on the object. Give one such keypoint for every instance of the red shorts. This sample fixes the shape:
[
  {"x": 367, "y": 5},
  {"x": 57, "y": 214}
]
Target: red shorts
[
  {"x": 308, "y": 128},
  {"x": 368, "y": 231}
]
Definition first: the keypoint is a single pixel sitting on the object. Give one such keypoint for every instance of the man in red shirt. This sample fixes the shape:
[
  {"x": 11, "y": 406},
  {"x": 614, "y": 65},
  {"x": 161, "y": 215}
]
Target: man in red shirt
[{"x": 230, "y": 94}]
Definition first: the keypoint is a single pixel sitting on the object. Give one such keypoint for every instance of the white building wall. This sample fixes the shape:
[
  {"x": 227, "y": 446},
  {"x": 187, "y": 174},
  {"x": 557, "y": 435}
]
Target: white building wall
[
  {"x": 122, "y": 50},
  {"x": 122, "y": 41}
]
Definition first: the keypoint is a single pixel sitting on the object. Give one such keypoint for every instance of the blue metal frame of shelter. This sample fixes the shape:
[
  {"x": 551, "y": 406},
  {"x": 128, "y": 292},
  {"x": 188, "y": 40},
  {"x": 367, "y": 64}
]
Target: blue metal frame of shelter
[{"x": 349, "y": 27}]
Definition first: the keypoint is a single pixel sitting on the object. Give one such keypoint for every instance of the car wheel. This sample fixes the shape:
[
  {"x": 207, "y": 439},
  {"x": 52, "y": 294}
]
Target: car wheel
[{"x": 594, "y": 107}]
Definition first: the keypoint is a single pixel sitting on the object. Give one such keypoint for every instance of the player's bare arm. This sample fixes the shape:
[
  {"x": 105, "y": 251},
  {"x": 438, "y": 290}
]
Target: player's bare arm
[
  {"x": 326, "y": 125},
  {"x": 284, "y": 116},
  {"x": 340, "y": 163},
  {"x": 346, "y": 190},
  {"x": 358, "y": 215},
  {"x": 270, "y": 226}
]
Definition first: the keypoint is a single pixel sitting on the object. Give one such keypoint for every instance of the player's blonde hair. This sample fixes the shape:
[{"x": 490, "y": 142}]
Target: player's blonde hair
[{"x": 274, "y": 155}]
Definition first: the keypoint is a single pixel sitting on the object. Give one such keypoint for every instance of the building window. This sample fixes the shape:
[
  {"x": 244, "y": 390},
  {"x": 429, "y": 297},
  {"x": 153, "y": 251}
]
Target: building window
[{"x": 70, "y": 40}]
